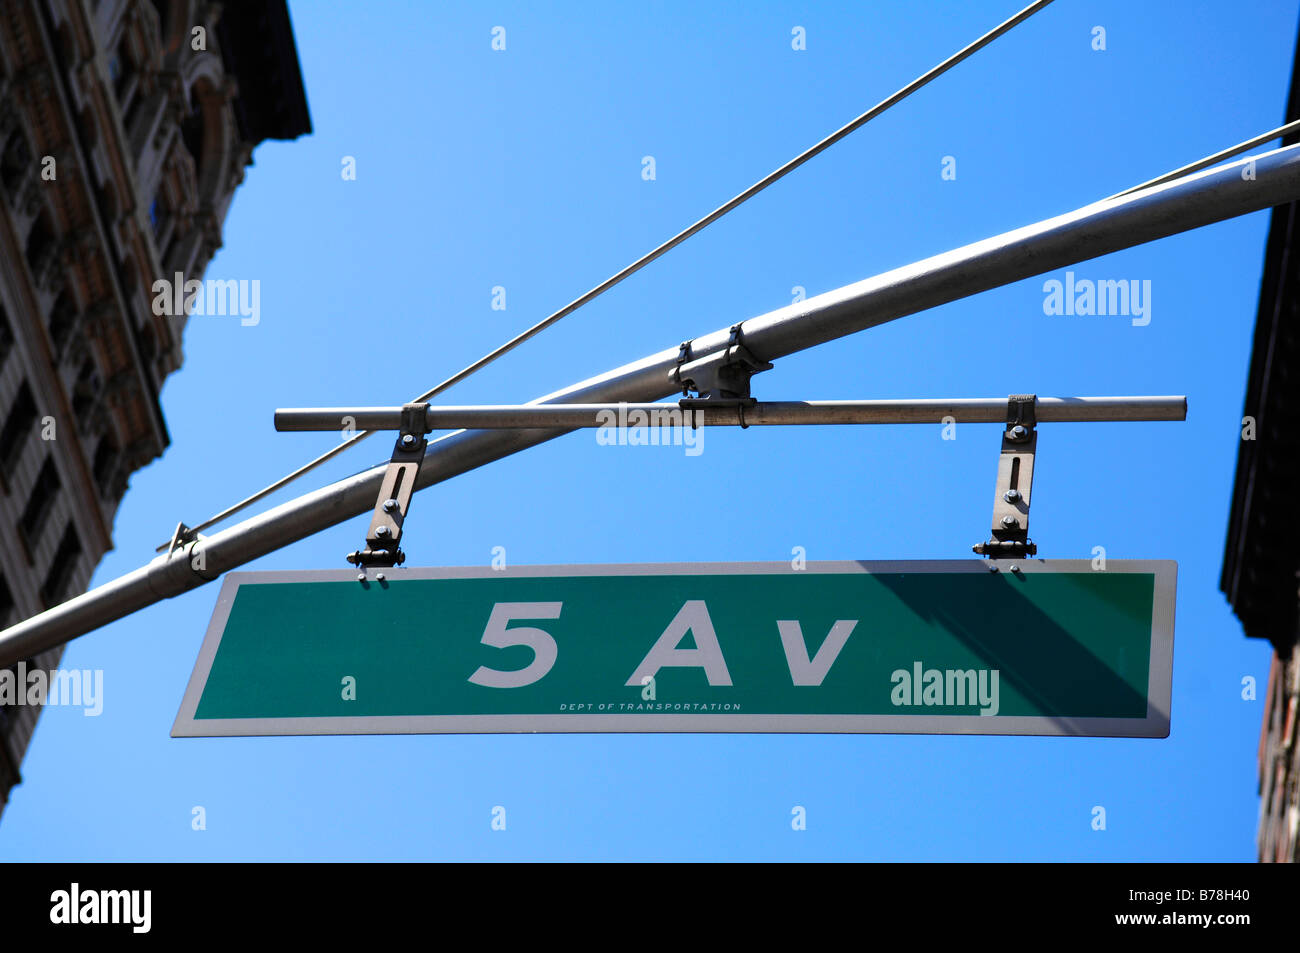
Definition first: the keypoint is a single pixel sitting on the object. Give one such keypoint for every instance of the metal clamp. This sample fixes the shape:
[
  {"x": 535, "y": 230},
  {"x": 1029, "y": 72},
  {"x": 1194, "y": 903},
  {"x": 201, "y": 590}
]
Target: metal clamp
[
  {"x": 181, "y": 536},
  {"x": 1010, "y": 532},
  {"x": 395, "y": 491},
  {"x": 721, "y": 378}
]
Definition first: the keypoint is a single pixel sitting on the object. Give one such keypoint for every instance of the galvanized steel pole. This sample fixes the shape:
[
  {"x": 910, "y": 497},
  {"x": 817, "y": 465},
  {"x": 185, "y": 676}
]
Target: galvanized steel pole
[{"x": 1097, "y": 229}]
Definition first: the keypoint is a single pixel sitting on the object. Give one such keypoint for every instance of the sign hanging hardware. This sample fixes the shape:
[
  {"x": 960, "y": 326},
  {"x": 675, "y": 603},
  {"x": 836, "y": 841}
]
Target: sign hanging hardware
[
  {"x": 721, "y": 379},
  {"x": 1010, "y": 531},
  {"x": 385, "y": 534},
  {"x": 722, "y": 383}
]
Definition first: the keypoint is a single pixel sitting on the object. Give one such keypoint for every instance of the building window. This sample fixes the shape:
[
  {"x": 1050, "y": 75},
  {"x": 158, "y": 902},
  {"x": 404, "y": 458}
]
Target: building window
[
  {"x": 148, "y": 343},
  {"x": 164, "y": 20},
  {"x": 6, "y": 336},
  {"x": 40, "y": 246},
  {"x": 7, "y": 605},
  {"x": 104, "y": 465},
  {"x": 85, "y": 392},
  {"x": 63, "y": 318},
  {"x": 192, "y": 134},
  {"x": 120, "y": 70},
  {"x": 19, "y": 423},
  {"x": 62, "y": 566},
  {"x": 15, "y": 161},
  {"x": 39, "y": 504}
]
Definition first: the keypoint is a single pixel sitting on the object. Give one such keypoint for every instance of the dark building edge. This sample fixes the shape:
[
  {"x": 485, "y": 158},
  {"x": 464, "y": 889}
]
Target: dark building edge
[
  {"x": 1262, "y": 554},
  {"x": 257, "y": 47}
]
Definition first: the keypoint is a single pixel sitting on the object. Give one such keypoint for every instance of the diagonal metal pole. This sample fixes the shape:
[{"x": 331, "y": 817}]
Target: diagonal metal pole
[{"x": 1097, "y": 229}]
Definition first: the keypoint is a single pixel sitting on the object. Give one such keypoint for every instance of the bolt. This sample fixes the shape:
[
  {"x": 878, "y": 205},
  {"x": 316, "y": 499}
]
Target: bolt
[
  {"x": 390, "y": 505},
  {"x": 1018, "y": 432},
  {"x": 408, "y": 440},
  {"x": 380, "y": 576},
  {"x": 361, "y": 577},
  {"x": 1011, "y": 496},
  {"x": 1007, "y": 521},
  {"x": 381, "y": 531},
  {"x": 1015, "y": 569},
  {"x": 992, "y": 568}
]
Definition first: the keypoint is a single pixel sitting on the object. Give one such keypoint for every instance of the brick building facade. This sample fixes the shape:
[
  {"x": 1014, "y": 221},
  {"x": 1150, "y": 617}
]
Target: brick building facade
[{"x": 125, "y": 129}]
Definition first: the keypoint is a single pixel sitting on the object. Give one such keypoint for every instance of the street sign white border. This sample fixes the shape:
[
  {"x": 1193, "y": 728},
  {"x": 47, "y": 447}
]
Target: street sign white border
[{"x": 1154, "y": 725}]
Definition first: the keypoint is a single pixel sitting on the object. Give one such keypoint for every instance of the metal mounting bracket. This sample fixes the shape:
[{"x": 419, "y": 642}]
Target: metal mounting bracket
[
  {"x": 721, "y": 378},
  {"x": 385, "y": 533},
  {"x": 181, "y": 536},
  {"x": 1010, "y": 532}
]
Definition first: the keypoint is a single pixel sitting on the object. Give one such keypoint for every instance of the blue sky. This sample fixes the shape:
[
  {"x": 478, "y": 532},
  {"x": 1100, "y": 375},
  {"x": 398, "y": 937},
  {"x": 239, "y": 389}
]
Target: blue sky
[{"x": 522, "y": 169}]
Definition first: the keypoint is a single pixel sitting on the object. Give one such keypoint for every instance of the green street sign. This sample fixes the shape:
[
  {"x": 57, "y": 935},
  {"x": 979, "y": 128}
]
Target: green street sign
[{"x": 1055, "y": 648}]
